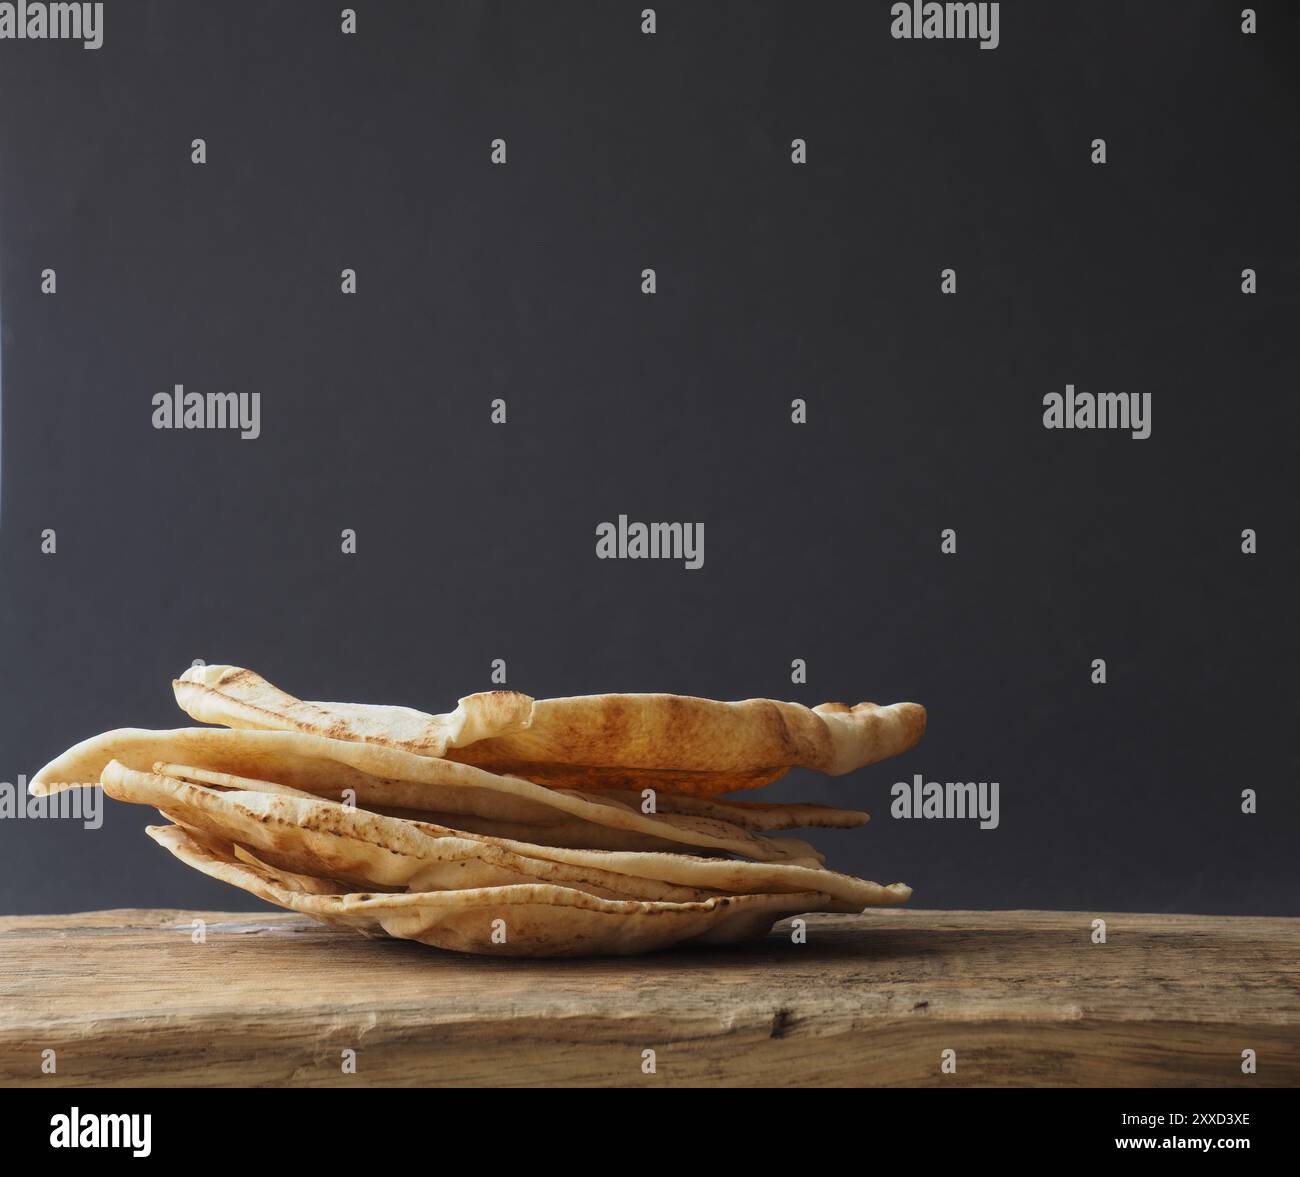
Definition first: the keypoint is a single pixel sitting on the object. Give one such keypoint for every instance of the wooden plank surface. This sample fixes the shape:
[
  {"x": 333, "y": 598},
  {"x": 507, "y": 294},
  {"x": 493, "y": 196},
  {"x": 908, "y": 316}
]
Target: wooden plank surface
[{"x": 1022, "y": 997}]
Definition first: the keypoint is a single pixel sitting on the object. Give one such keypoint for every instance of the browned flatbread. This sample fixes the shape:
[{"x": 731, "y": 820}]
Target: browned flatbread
[
  {"x": 307, "y": 884},
  {"x": 379, "y": 776},
  {"x": 534, "y": 919},
  {"x": 509, "y": 826},
  {"x": 694, "y": 746},
  {"x": 673, "y": 743},
  {"x": 764, "y": 816},
  {"x": 324, "y": 839},
  {"x": 240, "y": 698}
]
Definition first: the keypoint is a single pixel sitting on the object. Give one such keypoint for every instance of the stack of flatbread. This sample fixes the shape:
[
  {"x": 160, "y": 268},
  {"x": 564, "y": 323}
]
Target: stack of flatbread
[{"x": 510, "y": 826}]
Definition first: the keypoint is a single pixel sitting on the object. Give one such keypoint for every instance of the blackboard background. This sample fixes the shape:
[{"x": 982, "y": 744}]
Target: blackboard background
[{"x": 476, "y": 541}]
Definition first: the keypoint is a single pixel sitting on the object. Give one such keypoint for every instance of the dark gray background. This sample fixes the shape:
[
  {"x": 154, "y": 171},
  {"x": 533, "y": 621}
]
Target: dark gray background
[{"x": 477, "y": 541}]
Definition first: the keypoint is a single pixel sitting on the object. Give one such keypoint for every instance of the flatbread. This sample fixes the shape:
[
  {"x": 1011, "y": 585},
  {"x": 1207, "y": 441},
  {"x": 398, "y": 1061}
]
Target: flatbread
[
  {"x": 679, "y": 744},
  {"x": 382, "y": 776},
  {"x": 674, "y": 743},
  {"x": 234, "y": 697},
  {"x": 748, "y": 815},
  {"x": 572, "y": 833},
  {"x": 557, "y": 830},
  {"x": 322, "y": 838},
  {"x": 751, "y": 816},
  {"x": 307, "y": 884},
  {"x": 536, "y": 919},
  {"x": 757, "y": 816}
]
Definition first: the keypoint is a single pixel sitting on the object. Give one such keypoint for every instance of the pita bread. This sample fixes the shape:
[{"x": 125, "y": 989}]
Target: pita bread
[
  {"x": 571, "y": 832},
  {"x": 574, "y": 834},
  {"x": 381, "y": 776},
  {"x": 325, "y": 839},
  {"x": 239, "y": 698},
  {"x": 673, "y": 743},
  {"x": 757, "y": 816},
  {"x": 679, "y": 744},
  {"x": 754, "y": 816},
  {"x": 307, "y": 884},
  {"x": 537, "y": 919},
  {"x": 223, "y": 780}
]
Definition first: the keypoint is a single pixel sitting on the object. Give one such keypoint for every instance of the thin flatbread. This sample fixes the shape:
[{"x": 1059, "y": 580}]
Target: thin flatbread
[
  {"x": 748, "y": 815},
  {"x": 756, "y": 816},
  {"x": 381, "y": 776},
  {"x": 234, "y": 697},
  {"x": 307, "y": 884},
  {"x": 674, "y": 743},
  {"x": 572, "y": 833},
  {"x": 325, "y": 839},
  {"x": 535, "y": 920},
  {"x": 679, "y": 744},
  {"x": 556, "y": 830}
]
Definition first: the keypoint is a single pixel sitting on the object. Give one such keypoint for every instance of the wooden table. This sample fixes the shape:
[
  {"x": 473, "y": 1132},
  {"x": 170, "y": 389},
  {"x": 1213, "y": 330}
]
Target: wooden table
[{"x": 1022, "y": 997}]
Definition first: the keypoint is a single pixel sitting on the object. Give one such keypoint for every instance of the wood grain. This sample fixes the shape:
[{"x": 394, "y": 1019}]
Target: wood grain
[{"x": 1024, "y": 998}]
